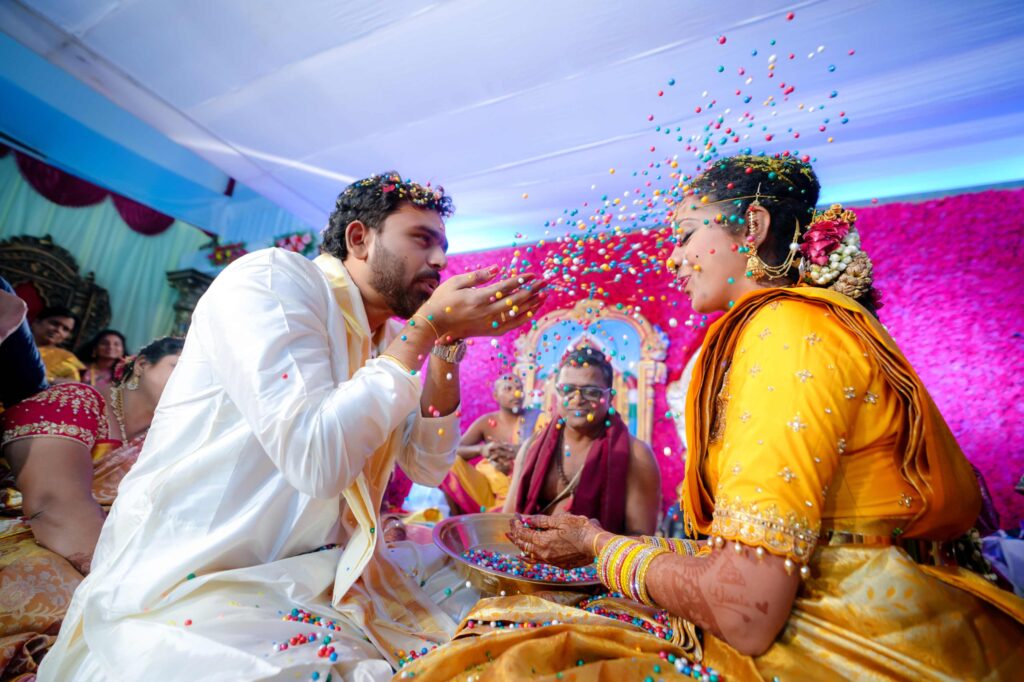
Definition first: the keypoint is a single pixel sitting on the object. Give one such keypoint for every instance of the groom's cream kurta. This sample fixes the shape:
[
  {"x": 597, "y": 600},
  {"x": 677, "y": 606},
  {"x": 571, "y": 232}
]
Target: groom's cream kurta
[{"x": 274, "y": 437}]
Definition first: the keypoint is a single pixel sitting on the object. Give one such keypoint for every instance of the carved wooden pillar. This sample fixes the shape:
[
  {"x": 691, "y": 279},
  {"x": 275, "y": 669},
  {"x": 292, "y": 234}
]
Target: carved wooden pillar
[{"x": 190, "y": 285}]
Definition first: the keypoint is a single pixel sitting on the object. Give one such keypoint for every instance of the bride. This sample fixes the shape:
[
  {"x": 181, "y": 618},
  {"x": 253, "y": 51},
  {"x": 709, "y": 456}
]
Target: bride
[{"x": 819, "y": 469}]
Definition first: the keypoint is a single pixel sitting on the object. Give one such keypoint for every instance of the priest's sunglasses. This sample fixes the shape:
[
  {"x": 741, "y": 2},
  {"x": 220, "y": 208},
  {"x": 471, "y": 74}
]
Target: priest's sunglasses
[{"x": 589, "y": 393}]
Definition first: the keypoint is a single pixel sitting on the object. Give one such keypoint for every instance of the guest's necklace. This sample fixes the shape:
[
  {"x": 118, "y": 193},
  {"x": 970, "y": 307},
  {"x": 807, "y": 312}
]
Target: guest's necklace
[
  {"x": 117, "y": 403},
  {"x": 561, "y": 468}
]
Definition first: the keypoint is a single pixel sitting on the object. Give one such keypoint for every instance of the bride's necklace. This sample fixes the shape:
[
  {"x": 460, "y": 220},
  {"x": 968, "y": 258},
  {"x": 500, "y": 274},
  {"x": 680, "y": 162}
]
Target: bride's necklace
[{"x": 117, "y": 403}]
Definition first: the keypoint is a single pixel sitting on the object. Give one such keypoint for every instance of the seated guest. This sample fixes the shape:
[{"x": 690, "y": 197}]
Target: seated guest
[
  {"x": 69, "y": 464},
  {"x": 479, "y": 480},
  {"x": 53, "y": 441},
  {"x": 101, "y": 354},
  {"x": 586, "y": 462},
  {"x": 52, "y": 327},
  {"x": 22, "y": 369}
]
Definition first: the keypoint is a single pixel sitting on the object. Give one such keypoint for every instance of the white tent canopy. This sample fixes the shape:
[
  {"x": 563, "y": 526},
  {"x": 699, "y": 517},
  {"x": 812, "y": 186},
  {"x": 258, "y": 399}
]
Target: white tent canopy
[{"x": 497, "y": 100}]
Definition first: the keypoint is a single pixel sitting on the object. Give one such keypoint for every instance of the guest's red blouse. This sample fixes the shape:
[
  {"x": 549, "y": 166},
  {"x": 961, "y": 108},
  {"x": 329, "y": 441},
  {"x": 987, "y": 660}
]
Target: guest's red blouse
[{"x": 73, "y": 411}]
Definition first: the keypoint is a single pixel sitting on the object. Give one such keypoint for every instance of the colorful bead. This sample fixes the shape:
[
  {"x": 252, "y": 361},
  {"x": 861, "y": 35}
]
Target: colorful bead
[{"x": 516, "y": 567}]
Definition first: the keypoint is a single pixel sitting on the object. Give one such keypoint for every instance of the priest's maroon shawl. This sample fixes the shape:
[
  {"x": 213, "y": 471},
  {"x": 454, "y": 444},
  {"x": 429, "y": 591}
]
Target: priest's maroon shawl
[{"x": 601, "y": 493}]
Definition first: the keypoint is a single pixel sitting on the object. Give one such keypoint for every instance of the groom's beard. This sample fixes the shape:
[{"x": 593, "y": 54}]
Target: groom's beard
[{"x": 386, "y": 278}]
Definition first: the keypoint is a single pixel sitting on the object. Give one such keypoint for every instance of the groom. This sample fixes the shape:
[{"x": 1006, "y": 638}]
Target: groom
[{"x": 256, "y": 495}]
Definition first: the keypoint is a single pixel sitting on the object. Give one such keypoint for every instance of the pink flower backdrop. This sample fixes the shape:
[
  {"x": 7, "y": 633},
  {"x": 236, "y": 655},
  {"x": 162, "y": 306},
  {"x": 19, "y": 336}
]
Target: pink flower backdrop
[{"x": 952, "y": 294}]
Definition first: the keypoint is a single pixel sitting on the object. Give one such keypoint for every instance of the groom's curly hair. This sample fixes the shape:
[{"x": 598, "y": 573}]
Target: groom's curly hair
[{"x": 372, "y": 200}]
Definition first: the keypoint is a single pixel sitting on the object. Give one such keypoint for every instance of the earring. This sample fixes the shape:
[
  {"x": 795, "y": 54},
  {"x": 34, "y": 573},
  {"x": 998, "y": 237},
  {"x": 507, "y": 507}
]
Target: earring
[
  {"x": 755, "y": 266},
  {"x": 133, "y": 383}
]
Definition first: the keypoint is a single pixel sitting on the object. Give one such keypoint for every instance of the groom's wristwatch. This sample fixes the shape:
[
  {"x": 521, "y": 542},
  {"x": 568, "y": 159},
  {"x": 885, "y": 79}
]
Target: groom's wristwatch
[{"x": 451, "y": 353}]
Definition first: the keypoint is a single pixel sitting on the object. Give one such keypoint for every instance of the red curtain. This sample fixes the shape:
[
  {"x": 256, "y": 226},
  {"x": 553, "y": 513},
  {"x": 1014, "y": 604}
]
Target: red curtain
[
  {"x": 142, "y": 219},
  {"x": 67, "y": 190},
  {"x": 58, "y": 186}
]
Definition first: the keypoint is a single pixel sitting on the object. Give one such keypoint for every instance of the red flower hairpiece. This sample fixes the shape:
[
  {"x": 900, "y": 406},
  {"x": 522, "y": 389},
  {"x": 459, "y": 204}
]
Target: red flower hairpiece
[
  {"x": 121, "y": 368},
  {"x": 822, "y": 238}
]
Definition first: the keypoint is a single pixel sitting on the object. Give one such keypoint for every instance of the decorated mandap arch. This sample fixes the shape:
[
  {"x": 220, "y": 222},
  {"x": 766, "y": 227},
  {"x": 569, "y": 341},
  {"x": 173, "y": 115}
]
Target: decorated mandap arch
[{"x": 636, "y": 348}]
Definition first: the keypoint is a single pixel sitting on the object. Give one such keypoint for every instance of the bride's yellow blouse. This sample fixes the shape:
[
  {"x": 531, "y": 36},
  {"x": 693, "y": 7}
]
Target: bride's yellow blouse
[{"x": 804, "y": 431}]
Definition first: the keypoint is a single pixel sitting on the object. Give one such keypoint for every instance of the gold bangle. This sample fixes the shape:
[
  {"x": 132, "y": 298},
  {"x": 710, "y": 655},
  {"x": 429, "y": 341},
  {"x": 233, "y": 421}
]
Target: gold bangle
[
  {"x": 687, "y": 547},
  {"x": 634, "y": 569},
  {"x": 627, "y": 564},
  {"x": 655, "y": 541},
  {"x": 604, "y": 560},
  {"x": 641, "y": 578},
  {"x": 593, "y": 545},
  {"x": 395, "y": 360},
  {"x": 426, "y": 319},
  {"x": 615, "y": 563}
]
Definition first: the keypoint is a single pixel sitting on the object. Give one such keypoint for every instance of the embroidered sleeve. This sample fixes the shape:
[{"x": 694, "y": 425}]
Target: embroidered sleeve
[
  {"x": 783, "y": 422},
  {"x": 70, "y": 411}
]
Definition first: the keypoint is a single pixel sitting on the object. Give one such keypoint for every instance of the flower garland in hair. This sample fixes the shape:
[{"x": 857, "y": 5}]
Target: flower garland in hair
[
  {"x": 123, "y": 367},
  {"x": 832, "y": 256},
  {"x": 423, "y": 196}
]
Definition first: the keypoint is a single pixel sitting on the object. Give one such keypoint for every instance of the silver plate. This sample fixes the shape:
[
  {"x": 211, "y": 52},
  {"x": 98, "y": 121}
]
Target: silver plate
[{"x": 458, "y": 534}]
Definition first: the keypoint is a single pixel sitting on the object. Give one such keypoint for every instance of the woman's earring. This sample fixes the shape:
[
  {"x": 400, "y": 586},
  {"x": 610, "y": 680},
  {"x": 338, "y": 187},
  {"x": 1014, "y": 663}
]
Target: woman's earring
[
  {"x": 133, "y": 383},
  {"x": 755, "y": 266}
]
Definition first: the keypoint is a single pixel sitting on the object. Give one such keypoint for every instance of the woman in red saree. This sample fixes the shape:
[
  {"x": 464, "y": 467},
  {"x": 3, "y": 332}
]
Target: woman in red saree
[{"x": 66, "y": 449}]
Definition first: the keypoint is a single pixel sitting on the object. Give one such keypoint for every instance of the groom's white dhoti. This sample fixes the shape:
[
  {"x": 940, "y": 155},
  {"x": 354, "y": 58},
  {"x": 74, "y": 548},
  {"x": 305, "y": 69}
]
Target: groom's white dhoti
[{"x": 274, "y": 438}]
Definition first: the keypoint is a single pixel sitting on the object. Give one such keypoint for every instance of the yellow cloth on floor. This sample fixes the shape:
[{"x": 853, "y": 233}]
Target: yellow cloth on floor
[{"x": 608, "y": 649}]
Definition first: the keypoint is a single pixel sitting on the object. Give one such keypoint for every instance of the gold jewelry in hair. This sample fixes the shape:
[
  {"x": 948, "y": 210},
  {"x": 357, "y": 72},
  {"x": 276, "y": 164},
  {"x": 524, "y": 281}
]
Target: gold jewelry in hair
[{"x": 781, "y": 166}]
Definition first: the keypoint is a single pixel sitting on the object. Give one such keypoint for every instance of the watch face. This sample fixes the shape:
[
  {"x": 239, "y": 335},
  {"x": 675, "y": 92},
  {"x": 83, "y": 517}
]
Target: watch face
[{"x": 451, "y": 353}]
